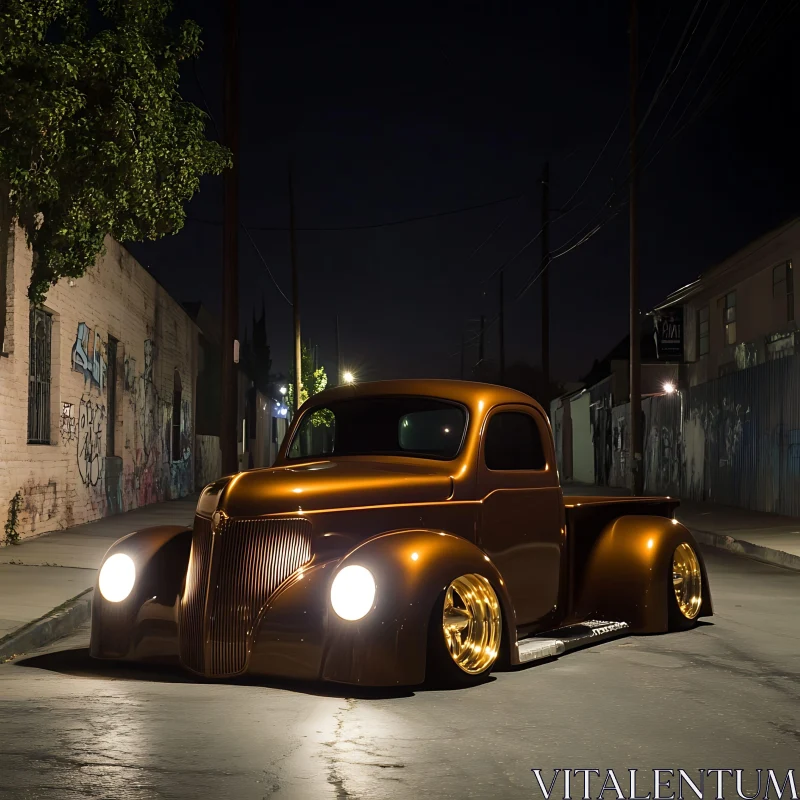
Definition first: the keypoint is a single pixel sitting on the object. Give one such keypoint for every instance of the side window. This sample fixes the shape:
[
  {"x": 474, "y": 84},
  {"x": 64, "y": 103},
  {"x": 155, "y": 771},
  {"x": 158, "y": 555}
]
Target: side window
[{"x": 513, "y": 442}]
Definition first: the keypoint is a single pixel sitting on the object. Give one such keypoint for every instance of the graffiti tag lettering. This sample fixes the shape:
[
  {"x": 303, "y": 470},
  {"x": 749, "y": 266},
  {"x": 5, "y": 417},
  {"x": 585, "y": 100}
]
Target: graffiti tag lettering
[
  {"x": 89, "y": 356},
  {"x": 91, "y": 430},
  {"x": 68, "y": 425}
]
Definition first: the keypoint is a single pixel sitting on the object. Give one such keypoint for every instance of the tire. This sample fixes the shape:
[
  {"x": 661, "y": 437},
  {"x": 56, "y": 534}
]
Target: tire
[
  {"x": 464, "y": 633},
  {"x": 685, "y": 588}
]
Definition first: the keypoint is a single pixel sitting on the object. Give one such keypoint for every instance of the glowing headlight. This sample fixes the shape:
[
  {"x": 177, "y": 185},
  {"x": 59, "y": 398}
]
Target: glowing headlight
[
  {"x": 117, "y": 577},
  {"x": 353, "y": 592}
]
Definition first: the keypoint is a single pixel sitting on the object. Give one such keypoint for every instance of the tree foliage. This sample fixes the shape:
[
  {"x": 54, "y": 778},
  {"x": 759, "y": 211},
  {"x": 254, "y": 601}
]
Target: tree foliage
[
  {"x": 313, "y": 382},
  {"x": 95, "y": 138}
]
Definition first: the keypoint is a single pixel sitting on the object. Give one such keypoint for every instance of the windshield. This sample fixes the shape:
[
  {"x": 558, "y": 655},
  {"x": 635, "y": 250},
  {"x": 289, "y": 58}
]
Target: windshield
[{"x": 401, "y": 426}]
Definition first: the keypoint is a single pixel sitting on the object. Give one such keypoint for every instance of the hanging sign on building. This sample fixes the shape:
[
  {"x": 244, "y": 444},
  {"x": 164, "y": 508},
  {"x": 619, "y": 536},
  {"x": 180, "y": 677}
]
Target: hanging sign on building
[{"x": 669, "y": 334}]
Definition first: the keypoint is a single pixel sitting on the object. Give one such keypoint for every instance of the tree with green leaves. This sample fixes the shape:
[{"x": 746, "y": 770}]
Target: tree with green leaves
[
  {"x": 95, "y": 138},
  {"x": 313, "y": 382}
]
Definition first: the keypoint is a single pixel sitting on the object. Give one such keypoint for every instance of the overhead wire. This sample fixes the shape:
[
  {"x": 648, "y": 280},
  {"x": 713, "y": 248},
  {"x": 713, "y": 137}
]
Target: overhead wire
[
  {"x": 718, "y": 53},
  {"x": 728, "y": 74},
  {"x": 622, "y": 113},
  {"x": 374, "y": 225},
  {"x": 244, "y": 227},
  {"x": 591, "y": 229}
]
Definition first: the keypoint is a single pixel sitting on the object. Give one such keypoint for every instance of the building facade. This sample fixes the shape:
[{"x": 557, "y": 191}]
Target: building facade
[
  {"x": 742, "y": 312},
  {"x": 97, "y": 393},
  {"x": 262, "y": 414}
]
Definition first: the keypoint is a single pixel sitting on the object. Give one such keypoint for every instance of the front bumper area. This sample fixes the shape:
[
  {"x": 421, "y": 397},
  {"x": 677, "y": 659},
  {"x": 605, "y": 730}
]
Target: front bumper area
[{"x": 297, "y": 636}]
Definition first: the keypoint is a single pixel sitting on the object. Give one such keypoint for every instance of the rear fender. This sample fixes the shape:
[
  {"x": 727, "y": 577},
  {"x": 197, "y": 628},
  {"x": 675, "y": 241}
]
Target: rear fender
[
  {"x": 160, "y": 555},
  {"x": 627, "y": 573}
]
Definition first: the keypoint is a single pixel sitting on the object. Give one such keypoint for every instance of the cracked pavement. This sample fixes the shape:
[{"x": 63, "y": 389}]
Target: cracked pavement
[{"x": 726, "y": 694}]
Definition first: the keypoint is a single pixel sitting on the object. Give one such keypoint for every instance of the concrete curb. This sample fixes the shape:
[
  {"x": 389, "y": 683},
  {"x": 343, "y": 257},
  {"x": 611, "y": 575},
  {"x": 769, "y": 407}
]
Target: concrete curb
[
  {"x": 54, "y": 625},
  {"x": 740, "y": 547}
]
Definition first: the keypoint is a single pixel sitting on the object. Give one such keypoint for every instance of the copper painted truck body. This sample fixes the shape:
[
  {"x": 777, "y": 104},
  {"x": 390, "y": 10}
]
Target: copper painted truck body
[{"x": 247, "y": 589}]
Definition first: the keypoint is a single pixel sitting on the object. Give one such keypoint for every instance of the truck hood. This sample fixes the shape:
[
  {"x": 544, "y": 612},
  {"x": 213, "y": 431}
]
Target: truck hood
[{"x": 332, "y": 485}]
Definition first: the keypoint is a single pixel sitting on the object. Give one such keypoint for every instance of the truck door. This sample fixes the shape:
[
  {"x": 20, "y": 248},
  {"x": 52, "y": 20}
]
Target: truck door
[{"x": 521, "y": 523}]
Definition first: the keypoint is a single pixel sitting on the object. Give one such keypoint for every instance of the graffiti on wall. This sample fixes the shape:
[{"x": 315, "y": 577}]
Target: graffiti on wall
[
  {"x": 91, "y": 440},
  {"x": 156, "y": 472},
  {"x": 89, "y": 356},
  {"x": 68, "y": 425}
]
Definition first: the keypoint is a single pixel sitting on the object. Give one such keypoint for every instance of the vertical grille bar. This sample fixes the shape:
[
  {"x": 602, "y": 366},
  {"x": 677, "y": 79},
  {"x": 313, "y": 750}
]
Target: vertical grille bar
[
  {"x": 251, "y": 559},
  {"x": 193, "y": 603}
]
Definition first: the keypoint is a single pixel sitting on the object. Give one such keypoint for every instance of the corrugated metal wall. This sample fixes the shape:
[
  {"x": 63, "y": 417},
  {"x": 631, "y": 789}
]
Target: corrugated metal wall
[{"x": 734, "y": 440}]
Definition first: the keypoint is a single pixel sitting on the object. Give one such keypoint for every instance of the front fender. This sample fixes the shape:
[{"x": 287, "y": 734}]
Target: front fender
[
  {"x": 300, "y": 636},
  {"x": 627, "y": 573},
  {"x": 144, "y": 623}
]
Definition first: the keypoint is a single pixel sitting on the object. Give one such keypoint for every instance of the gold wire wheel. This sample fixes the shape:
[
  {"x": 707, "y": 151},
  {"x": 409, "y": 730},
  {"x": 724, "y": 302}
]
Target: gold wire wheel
[
  {"x": 687, "y": 580},
  {"x": 471, "y": 623}
]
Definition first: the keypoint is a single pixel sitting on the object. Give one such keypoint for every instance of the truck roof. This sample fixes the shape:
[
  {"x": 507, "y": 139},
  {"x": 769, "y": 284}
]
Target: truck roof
[{"x": 469, "y": 393}]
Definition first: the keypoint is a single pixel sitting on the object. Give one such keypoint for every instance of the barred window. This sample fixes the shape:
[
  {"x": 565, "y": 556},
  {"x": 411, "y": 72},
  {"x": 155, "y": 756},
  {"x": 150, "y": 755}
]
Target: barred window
[{"x": 41, "y": 328}]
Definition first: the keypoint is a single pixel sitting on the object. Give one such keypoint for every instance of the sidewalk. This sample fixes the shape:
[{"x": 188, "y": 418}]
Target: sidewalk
[
  {"x": 767, "y": 537},
  {"x": 44, "y": 581}
]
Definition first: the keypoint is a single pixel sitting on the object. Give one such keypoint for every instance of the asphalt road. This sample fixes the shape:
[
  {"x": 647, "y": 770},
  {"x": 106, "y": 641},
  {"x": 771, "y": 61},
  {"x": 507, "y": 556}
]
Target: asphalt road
[{"x": 725, "y": 695}]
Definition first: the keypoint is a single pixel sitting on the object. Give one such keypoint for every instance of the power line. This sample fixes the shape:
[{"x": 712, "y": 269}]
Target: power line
[
  {"x": 622, "y": 114},
  {"x": 372, "y": 226},
  {"x": 756, "y": 43},
  {"x": 728, "y": 74},
  {"x": 524, "y": 247},
  {"x": 699, "y": 86},
  {"x": 269, "y": 271},
  {"x": 672, "y": 66},
  {"x": 703, "y": 47}
]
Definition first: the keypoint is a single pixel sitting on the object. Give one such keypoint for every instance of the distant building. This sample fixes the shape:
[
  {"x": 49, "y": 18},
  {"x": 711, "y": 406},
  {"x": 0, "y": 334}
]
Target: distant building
[
  {"x": 743, "y": 311},
  {"x": 583, "y": 417},
  {"x": 97, "y": 392},
  {"x": 262, "y": 416}
]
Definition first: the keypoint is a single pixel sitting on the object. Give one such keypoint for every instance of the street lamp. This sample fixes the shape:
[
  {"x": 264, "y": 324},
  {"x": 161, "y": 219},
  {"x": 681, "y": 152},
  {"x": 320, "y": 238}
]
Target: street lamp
[
  {"x": 349, "y": 377},
  {"x": 282, "y": 390},
  {"x": 669, "y": 387}
]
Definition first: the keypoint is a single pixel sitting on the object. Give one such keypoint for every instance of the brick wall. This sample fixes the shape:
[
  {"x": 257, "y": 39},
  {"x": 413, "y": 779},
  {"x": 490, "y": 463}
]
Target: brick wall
[{"x": 76, "y": 477}]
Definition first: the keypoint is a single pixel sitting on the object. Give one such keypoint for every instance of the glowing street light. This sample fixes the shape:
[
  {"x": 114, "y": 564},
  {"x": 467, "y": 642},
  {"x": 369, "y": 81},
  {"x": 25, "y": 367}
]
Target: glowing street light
[
  {"x": 349, "y": 377},
  {"x": 669, "y": 387},
  {"x": 282, "y": 390}
]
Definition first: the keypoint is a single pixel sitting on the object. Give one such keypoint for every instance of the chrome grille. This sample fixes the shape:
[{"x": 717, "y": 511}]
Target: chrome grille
[
  {"x": 193, "y": 602},
  {"x": 251, "y": 558}
]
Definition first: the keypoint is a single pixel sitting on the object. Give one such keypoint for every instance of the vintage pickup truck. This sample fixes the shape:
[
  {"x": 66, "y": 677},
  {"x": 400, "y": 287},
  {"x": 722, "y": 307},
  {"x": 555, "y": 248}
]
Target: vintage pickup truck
[{"x": 408, "y": 530}]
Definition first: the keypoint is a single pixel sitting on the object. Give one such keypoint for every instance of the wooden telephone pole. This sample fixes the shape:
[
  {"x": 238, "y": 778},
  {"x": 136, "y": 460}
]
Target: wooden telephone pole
[
  {"x": 338, "y": 355},
  {"x": 635, "y": 354},
  {"x": 298, "y": 350},
  {"x": 230, "y": 247},
  {"x": 545, "y": 271},
  {"x": 502, "y": 328},
  {"x": 481, "y": 339}
]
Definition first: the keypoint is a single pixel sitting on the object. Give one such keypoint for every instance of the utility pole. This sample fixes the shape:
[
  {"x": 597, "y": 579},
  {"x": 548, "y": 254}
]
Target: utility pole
[
  {"x": 230, "y": 247},
  {"x": 338, "y": 356},
  {"x": 298, "y": 353},
  {"x": 502, "y": 328},
  {"x": 635, "y": 355},
  {"x": 545, "y": 271},
  {"x": 480, "y": 340}
]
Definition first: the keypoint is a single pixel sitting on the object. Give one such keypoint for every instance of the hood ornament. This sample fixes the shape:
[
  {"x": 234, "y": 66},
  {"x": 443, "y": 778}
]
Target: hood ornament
[{"x": 218, "y": 518}]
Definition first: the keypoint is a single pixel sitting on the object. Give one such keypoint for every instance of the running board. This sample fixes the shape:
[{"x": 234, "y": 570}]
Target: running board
[{"x": 560, "y": 641}]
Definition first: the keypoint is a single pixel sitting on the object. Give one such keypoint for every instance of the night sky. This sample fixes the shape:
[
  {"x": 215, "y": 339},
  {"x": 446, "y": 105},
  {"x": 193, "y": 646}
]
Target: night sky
[{"x": 396, "y": 110}]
